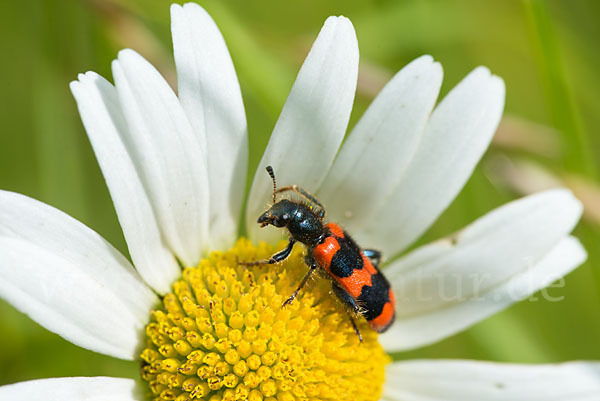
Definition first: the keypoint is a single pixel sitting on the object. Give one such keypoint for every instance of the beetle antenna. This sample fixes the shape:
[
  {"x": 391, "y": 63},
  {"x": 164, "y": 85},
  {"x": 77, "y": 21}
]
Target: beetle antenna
[{"x": 272, "y": 174}]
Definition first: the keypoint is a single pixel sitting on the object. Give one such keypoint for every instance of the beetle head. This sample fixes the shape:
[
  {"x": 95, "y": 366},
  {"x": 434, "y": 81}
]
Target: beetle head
[{"x": 278, "y": 215}]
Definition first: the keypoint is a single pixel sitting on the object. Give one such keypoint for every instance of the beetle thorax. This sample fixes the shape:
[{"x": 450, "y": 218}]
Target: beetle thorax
[{"x": 305, "y": 226}]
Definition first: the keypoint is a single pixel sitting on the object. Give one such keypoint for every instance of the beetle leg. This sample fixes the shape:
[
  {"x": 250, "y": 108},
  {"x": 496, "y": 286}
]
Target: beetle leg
[
  {"x": 278, "y": 257},
  {"x": 373, "y": 255},
  {"x": 355, "y": 328},
  {"x": 313, "y": 266},
  {"x": 349, "y": 301}
]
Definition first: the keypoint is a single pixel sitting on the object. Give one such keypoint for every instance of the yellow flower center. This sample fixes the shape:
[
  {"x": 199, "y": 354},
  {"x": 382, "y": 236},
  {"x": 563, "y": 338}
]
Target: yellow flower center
[{"x": 223, "y": 335}]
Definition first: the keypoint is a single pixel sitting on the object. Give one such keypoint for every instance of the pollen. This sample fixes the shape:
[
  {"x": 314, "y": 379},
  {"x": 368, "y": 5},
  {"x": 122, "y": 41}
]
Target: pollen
[{"x": 223, "y": 335}]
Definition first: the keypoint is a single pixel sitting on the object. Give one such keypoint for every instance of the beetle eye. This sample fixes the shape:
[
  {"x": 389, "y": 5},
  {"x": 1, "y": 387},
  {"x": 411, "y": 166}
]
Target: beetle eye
[{"x": 281, "y": 221}]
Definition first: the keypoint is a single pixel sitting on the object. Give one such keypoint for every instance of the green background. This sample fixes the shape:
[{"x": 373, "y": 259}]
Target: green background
[{"x": 546, "y": 51}]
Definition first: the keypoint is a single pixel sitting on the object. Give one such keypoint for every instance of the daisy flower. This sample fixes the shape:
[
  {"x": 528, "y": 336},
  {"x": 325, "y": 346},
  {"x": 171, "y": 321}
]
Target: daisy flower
[{"x": 204, "y": 327}]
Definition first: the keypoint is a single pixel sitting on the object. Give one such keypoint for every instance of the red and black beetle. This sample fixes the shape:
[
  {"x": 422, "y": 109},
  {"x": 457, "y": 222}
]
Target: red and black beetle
[{"x": 356, "y": 279}]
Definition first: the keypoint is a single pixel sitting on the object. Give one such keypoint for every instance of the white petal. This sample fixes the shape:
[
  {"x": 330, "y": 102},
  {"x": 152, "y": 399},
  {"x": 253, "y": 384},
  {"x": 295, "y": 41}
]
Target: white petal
[
  {"x": 458, "y": 133},
  {"x": 313, "y": 120},
  {"x": 167, "y": 155},
  {"x": 211, "y": 98},
  {"x": 503, "y": 257},
  {"x": 70, "y": 280},
  {"x": 106, "y": 127},
  {"x": 73, "y": 389},
  {"x": 447, "y": 380},
  {"x": 376, "y": 154},
  {"x": 420, "y": 330}
]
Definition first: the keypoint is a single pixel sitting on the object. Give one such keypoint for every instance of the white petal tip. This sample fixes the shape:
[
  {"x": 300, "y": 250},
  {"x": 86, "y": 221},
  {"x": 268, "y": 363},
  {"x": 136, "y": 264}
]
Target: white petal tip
[
  {"x": 86, "y": 82},
  {"x": 194, "y": 6},
  {"x": 115, "y": 65},
  {"x": 194, "y": 13},
  {"x": 88, "y": 76},
  {"x": 567, "y": 201},
  {"x": 483, "y": 73},
  {"x": 78, "y": 86},
  {"x": 334, "y": 18},
  {"x": 578, "y": 253},
  {"x": 497, "y": 83},
  {"x": 563, "y": 196},
  {"x": 74, "y": 86},
  {"x": 341, "y": 21},
  {"x": 187, "y": 7},
  {"x": 428, "y": 62},
  {"x": 425, "y": 58},
  {"x": 128, "y": 55},
  {"x": 81, "y": 80}
]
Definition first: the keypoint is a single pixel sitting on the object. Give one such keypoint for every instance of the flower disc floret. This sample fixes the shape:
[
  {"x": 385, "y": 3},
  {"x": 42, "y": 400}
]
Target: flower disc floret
[{"x": 222, "y": 335}]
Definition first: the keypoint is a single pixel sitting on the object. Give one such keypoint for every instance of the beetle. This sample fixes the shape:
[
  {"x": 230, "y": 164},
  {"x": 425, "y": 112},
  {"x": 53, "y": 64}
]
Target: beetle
[{"x": 354, "y": 273}]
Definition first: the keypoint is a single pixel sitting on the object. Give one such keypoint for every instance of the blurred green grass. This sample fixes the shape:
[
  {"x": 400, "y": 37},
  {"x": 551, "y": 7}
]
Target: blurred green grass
[{"x": 546, "y": 51}]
